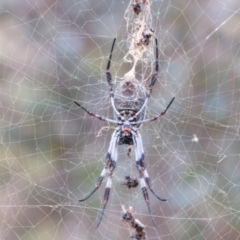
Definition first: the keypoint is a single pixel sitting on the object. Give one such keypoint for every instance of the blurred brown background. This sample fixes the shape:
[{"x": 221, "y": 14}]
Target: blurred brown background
[{"x": 55, "y": 52}]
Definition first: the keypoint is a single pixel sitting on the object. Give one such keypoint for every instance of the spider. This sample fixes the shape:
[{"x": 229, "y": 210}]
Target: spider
[{"x": 129, "y": 103}]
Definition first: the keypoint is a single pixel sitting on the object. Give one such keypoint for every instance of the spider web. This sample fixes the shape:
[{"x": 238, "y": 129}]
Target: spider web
[{"x": 52, "y": 152}]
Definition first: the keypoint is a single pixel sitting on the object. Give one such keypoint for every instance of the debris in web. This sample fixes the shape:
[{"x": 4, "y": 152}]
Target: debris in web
[
  {"x": 129, "y": 151},
  {"x": 140, "y": 31},
  {"x": 137, "y": 229}
]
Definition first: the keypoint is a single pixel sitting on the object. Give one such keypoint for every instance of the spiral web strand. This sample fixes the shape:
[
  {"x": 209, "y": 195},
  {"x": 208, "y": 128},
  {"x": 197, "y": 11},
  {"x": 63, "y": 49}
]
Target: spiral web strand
[{"x": 52, "y": 152}]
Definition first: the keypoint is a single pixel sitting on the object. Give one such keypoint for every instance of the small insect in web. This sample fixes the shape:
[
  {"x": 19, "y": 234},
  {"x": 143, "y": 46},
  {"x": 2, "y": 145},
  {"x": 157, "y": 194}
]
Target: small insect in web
[
  {"x": 130, "y": 182},
  {"x": 146, "y": 37},
  {"x": 138, "y": 229},
  {"x": 129, "y": 104},
  {"x": 136, "y": 8}
]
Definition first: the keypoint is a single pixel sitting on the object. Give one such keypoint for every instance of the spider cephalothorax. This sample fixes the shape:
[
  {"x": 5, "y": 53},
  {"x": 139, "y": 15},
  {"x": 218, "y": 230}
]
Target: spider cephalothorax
[
  {"x": 129, "y": 103},
  {"x": 125, "y": 136}
]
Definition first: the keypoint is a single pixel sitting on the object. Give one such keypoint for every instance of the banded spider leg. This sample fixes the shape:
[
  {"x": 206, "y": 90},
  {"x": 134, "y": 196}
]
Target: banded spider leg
[
  {"x": 110, "y": 164},
  {"x": 145, "y": 180}
]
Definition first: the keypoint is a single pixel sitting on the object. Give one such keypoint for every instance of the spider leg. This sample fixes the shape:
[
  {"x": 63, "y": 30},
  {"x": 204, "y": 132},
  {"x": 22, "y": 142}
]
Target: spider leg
[
  {"x": 139, "y": 155},
  {"x": 152, "y": 82},
  {"x": 108, "y": 159},
  {"x": 98, "y": 184},
  {"x": 141, "y": 109},
  {"x": 145, "y": 173},
  {"x": 155, "y": 118},
  {"x": 146, "y": 198},
  {"x": 149, "y": 184},
  {"x": 154, "y": 76},
  {"x": 111, "y": 167},
  {"x": 108, "y": 74},
  {"x": 97, "y": 116},
  {"x": 105, "y": 199},
  {"x": 109, "y": 78}
]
